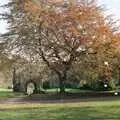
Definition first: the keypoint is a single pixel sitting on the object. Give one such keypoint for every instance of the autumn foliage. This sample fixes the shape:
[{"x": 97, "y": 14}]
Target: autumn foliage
[{"x": 64, "y": 33}]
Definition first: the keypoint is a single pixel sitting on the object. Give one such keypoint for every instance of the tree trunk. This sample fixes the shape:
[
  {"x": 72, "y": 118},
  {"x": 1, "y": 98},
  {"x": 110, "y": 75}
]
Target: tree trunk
[
  {"x": 62, "y": 79},
  {"x": 119, "y": 75},
  {"x": 16, "y": 84},
  {"x": 13, "y": 79},
  {"x": 62, "y": 86}
]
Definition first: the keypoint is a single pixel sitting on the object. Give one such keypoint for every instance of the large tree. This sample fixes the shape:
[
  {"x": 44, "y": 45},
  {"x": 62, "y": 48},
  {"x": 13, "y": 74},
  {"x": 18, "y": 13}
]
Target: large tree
[{"x": 60, "y": 33}]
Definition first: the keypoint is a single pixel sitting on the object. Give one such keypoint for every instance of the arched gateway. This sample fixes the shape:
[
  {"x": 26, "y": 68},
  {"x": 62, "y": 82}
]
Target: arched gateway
[{"x": 30, "y": 87}]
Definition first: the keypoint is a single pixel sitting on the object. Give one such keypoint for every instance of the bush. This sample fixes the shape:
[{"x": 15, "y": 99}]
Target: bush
[
  {"x": 103, "y": 86},
  {"x": 46, "y": 85},
  {"x": 99, "y": 85},
  {"x": 112, "y": 85},
  {"x": 85, "y": 87},
  {"x": 68, "y": 85}
]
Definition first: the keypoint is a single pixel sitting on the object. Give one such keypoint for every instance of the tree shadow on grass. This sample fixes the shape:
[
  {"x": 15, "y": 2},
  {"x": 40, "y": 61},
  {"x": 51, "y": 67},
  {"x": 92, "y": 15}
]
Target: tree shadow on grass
[{"x": 56, "y": 98}]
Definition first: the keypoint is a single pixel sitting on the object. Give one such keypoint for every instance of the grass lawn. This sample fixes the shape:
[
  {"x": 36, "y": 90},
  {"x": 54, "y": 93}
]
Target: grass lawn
[
  {"x": 97, "y": 110},
  {"x": 6, "y": 93}
]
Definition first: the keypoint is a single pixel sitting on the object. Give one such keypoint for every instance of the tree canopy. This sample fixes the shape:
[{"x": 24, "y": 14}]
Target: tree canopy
[{"x": 63, "y": 33}]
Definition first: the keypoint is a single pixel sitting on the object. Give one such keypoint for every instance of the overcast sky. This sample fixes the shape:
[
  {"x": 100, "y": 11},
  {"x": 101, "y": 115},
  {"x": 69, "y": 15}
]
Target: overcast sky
[{"x": 112, "y": 5}]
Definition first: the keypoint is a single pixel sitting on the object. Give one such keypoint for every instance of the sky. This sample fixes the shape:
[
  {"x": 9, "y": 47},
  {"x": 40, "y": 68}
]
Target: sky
[{"x": 113, "y": 7}]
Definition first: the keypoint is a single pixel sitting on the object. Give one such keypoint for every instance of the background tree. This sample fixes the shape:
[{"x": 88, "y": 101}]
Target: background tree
[{"x": 60, "y": 33}]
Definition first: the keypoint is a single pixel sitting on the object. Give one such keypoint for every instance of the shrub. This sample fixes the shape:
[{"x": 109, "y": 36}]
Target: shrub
[
  {"x": 103, "y": 86},
  {"x": 46, "y": 85},
  {"x": 85, "y": 87},
  {"x": 68, "y": 85},
  {"x": 99, "y": 85}
]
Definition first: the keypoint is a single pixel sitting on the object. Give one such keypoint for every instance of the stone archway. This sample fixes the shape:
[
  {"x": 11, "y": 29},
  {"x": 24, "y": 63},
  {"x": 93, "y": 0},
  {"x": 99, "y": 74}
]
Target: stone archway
[{"x": 30, "y": 87}]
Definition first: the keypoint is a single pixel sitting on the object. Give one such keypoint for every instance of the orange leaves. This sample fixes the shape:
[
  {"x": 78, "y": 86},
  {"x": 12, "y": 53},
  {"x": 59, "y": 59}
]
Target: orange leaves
[
  {"x": 103, "y": 29},
  {"x": 31, "y": 7},
  {"x": 116, "y": 44},
  {"x": 56, "y": 1},
  {"x": 73, "y": 30},
  {"x": 34, "y": 9},
  {"x": 90, "y": 17}
]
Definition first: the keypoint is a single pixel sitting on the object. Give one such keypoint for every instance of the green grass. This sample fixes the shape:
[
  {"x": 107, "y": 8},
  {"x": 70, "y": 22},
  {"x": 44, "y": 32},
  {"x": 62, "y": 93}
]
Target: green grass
[
  {"x": 5, "y": 93},
  {"x": 97, "y": 110}
]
